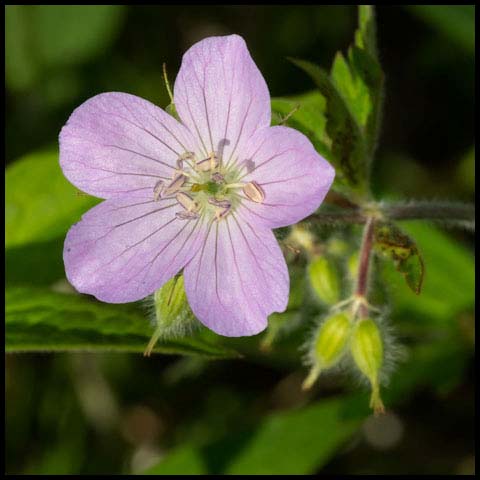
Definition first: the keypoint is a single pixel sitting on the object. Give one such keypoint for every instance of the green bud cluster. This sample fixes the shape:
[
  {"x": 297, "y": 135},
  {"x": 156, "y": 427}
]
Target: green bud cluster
[{"x": 341, "y": 333}]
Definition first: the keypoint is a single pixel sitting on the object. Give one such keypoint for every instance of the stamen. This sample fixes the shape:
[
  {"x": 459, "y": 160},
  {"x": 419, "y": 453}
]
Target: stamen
[
  {"x": 175, "y": 185},
  {"x": 213, "y": 160},
  {"x": 187, "y": 215},
  {"x": 187, "y": 156},
  {"x": 158, "y": 189},
  {"x": 219, "y": 203},
  {"x": 187, "y": 202},
  {"x": 223, "y": 207},
  {"x": 254, "y": 192},
  {"x": 208, "y": 163},
  {"x": 222, "y": 212}
]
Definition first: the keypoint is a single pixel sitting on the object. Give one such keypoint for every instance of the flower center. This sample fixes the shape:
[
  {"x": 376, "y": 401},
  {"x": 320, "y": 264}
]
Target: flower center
[{"x": 206, "y": 187}]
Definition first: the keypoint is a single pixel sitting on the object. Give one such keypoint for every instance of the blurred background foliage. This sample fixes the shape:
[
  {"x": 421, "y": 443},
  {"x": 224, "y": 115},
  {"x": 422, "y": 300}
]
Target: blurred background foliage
[{"x": 119, "y": 412}]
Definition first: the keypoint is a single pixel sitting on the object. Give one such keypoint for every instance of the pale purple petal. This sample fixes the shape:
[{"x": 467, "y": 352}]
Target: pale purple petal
[
  {"x": 126, "y": 247},
  {"x": 221, "y": 95},
  {"x": 116, "y": 142},
  {"x": 293, "y": 176},
  {"x": 237, "y": 278}
]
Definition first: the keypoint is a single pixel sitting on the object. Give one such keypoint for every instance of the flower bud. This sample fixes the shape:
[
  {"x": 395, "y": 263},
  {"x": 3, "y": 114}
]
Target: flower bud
[
  {"x": 366, "y": 347},
  {"x": 324, "y": 280},
  {"x": 329, "y": 345},
  {"x": 172, "y": 312},
  {"x": 337, "y": 247},
  {"x": 352, "y": 266}
]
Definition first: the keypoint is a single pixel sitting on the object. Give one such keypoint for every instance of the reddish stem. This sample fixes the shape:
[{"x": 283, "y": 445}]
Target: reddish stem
[{"x": 364, "y": 264}]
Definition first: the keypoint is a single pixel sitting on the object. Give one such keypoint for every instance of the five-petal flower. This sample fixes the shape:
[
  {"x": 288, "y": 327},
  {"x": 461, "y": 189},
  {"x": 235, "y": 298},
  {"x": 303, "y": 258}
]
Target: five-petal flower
[{"x": 201, "y": 195}]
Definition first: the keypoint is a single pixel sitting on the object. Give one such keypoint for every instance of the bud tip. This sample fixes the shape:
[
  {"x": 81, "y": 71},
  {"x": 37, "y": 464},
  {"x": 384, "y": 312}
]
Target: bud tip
[
  {"x": 311, "y": 378},
  {"x": 376, "y": 402}
]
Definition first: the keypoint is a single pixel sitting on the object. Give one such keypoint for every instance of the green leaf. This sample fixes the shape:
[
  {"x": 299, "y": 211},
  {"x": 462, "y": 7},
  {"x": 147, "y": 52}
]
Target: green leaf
[
  {"x": 346, "y": 141},
  {"x": 41, "y": 320},
  {"x": 39, "y": 37},
  {"x": 360, "y": 79},
  {"x": 366, "y": 35},
  {"x": 306, "y": 438},
  {"x": 35, "y": 264},
  {"x": 186, "y": 461},
  {"x": 40, "y": 202},
  {"x": 370, "y": 80},
  {"x": 305, "y": 113},
  {"x": 20, "y": 68},
  {"x": 354, "y": 92},
  {"x": 397, "y": 245}
]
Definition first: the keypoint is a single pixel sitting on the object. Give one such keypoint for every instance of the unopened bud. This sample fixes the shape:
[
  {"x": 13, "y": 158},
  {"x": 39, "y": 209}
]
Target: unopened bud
[
  {"x": 172, "y": 312},
  {"x": 329, "y": 345},
  {"x": 352, "y": 266},
  {"x": 324, "y": 280},
  {"x": 367, "y": 351}
]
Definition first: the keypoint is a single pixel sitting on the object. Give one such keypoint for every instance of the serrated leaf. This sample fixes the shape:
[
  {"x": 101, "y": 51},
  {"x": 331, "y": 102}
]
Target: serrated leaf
[
  {"x": 351, "y": 88},
  {"x": 40, "y": 203},
  {"x": 370, "y": 80},
  {"x": 398, "y": 246},
  {"x": 359, "y": 79},
  {"x": 366, "y": 35},
  {"x": 41, "y": 320},
  {"x": 346, "y": 142}
]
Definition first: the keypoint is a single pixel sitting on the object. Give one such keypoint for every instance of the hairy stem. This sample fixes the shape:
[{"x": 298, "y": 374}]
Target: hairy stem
[
  {"x": 346, "y": 216},
  {"x": 459, "y": 212},
  {"x": 364, "y": 265},
  {"x": 453, "y": 214}
]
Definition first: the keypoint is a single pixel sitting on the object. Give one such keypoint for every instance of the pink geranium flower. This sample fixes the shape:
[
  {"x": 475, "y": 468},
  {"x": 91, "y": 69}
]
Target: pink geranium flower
[{"x": 202, "y": 195}]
